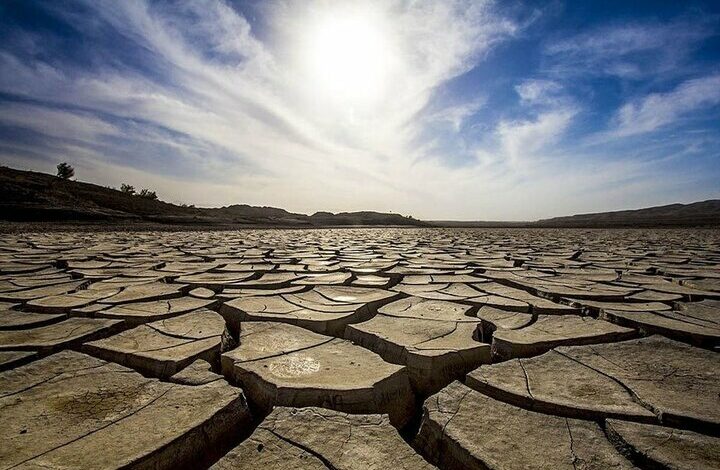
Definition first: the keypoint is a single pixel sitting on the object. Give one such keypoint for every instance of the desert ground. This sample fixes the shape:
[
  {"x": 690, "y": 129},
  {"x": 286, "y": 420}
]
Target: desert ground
[{"x": 361, "y": 349}]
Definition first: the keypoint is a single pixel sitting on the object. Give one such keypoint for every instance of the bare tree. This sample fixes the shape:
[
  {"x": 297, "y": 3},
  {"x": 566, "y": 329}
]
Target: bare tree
[
  {"x": 65, "y": 171},
  {"x": 147, "y": 194},
  {"x": 126, "y": 188}
]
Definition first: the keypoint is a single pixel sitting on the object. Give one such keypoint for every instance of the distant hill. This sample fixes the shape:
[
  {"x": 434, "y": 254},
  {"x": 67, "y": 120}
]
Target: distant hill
[
  {"x": 362, "y": 218},
  {"x": 27, "y": 196},
  {"x": 697, "y": 213},
  {"x": 705, "y": 213}
]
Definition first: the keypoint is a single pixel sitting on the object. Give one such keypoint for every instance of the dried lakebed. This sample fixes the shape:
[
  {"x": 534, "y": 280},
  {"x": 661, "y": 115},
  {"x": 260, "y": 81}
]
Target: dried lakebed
[{"x": 361, "y": 349}]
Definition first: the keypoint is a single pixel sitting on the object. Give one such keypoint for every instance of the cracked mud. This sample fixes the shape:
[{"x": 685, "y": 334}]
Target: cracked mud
[{"x": 361, "y": 348}]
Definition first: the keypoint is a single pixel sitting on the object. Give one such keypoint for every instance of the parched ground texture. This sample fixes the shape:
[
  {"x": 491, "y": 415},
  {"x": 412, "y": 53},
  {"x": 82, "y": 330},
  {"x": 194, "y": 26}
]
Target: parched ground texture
[{"x": 361, "y": 349}]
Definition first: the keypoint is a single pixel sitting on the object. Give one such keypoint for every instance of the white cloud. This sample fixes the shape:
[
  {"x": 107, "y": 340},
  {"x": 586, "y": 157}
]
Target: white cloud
[
  {"x": 538, "y": 91},
  {"x": 612, "y": 40},
  {"x": 56, "y": 123},
  {"x": 629, "y": 50},
  {"x": 660, "y": 109},
  {"x": 456, "y": 115},
  {"x": 520, "y": 140}
]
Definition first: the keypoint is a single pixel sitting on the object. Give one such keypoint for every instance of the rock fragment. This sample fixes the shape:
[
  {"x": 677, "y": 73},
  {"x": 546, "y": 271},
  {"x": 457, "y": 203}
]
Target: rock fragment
[
  {"x": 278, "y": 364},
  {"x": 213, "y": 280},
  {"x": 146, "y": 292},
  {"x": 163, "y": 347},
  {"x": 39, "y": 292},
  {"x": 11, "y": 359},
  {"x": 324, "y": 309},
  {"x": 69, "y": 410},
  {"x": 18, "y": 320},
  {"x": 63, "y": 303},
  {"x": 492, "y": 319},
  {"x": 539, "y": 305},
  {"x": 654, "y": 446},
  {"x": 596, "y": 306},
  {"x": 198, "y": 373},
  {"x": 269, "y": 281},
  {"x": 435, "y": 339},
  {"x": 553, "y": 384},
  {"x": 677, "y": 383},
  {"x": 291, "y": 438},
  {"x": 234, "y": 293},
  {"x": 695, "y": 323},
  {"x": 324, "y": 279},
  {"x": 462, "y": 428},
  {"x": 549, "y": 331},
  {"x": 202, "y": 293},
  {"x": 137, "y": 313},
  {"x": 458, "y": 292},
  {"x": 61, "y": 335}
]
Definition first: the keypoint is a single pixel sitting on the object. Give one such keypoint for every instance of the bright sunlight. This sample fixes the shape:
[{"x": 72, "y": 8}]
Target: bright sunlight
[{"x": 346, "y": 55}]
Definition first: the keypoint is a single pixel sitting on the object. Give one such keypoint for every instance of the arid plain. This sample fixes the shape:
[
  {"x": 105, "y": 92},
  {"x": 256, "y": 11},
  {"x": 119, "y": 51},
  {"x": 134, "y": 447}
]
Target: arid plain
[{"x": 361, "y": 349}]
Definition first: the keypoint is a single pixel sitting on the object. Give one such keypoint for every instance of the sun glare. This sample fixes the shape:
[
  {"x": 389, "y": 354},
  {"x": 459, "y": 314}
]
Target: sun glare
[{"x": 346, "y": 56}]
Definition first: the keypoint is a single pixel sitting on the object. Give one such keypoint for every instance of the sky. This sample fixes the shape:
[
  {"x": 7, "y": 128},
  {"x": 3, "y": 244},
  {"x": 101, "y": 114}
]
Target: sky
[{"x": 443, "y": 110}]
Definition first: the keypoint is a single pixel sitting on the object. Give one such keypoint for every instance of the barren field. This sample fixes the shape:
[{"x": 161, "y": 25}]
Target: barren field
[{"x": 361, "y": 349}]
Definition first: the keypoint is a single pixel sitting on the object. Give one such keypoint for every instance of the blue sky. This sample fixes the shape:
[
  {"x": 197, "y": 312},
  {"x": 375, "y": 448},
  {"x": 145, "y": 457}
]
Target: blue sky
[{"x": 442, "y": 110}]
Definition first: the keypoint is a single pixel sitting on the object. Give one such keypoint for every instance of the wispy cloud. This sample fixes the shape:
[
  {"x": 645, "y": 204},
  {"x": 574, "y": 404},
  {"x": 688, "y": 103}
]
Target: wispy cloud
[
  {"x": 524, "y": 139},
  {"x": 630, "y": 50},
  {"x": 656, "y": 110},
  {"x": 538, "y": 91},
  {"x": 549, "y": 112},
  {"x": 456, "y": 115}
]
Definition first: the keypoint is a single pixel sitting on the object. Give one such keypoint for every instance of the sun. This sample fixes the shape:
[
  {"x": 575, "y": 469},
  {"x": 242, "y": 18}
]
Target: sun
[{"x": 346, "y": 55}]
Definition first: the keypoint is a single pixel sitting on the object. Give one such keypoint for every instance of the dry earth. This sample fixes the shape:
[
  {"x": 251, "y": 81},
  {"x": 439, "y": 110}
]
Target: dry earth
[{"x": 361, "y": 349}]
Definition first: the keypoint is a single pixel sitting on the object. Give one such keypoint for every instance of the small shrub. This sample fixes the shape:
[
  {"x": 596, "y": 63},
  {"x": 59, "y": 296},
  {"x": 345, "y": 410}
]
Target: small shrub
[
  {"x": 126, "y": 188},
  {"x": 65, "y": 171},
  {"x": 147, "y": 194}
]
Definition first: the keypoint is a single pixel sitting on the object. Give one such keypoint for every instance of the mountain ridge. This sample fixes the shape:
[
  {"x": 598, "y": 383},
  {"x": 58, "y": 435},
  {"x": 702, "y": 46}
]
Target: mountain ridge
[
  {"x": 696, "y": 213},
  {"x": 28, "y": 196}
]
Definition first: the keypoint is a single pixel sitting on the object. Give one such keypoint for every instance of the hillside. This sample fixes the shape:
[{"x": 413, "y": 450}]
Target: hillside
[
  {"x": 697, "y": 213},
  {"x": 27, "y": 196}
]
